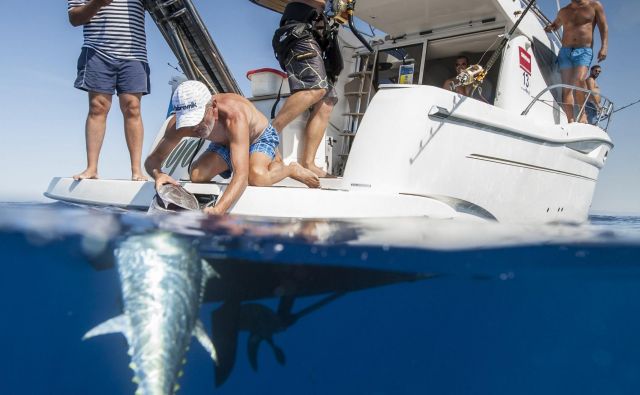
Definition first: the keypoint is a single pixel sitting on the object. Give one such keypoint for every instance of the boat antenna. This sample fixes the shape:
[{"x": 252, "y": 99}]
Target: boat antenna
[{"x": 475, "y": 74}]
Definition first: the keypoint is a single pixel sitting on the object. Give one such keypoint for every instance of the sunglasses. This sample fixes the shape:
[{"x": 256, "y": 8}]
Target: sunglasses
[{"x": 461, "y": 64}]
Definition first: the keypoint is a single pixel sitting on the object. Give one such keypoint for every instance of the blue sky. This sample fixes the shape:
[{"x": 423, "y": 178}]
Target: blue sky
[{"x": 43, "y": 115}]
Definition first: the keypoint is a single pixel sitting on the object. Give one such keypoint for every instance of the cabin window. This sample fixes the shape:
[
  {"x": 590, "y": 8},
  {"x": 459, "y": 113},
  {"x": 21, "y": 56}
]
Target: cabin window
[
  {"x": 393, "y": 61},
  {"x": 442, "y": 54}
]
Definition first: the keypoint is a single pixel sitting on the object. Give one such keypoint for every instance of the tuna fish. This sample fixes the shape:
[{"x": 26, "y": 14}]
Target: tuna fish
[{"x": 163, "y": 281}]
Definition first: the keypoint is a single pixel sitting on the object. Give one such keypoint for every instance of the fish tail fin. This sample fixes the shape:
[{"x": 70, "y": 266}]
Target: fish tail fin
[
  {"x": 119, "y": 324},
  {"x": 204, "y": 340}
]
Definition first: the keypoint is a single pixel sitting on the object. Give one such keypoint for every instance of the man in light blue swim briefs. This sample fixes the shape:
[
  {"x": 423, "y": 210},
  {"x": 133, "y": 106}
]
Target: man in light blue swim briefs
[
  {"x": 242, "y": 144},
  {"x": 578, "y": 20}
]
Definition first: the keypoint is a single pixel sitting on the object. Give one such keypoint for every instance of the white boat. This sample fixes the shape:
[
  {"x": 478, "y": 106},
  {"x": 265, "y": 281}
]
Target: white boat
[{"x": 415, "y": 149}]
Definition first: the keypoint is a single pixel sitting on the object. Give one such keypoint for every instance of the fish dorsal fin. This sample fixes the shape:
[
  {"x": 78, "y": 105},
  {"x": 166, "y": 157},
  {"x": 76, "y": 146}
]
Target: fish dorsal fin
[
  {"x": 205, "y": 341},
  {"x": 119, "y": 324}
]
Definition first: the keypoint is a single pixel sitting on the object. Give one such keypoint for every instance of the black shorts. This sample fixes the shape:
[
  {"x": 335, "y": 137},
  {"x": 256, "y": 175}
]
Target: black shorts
[{"x": 308, "y": 73}]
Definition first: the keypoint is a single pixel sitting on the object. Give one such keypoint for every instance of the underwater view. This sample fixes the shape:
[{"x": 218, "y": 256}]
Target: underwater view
[{"x": 396, "y": 306}]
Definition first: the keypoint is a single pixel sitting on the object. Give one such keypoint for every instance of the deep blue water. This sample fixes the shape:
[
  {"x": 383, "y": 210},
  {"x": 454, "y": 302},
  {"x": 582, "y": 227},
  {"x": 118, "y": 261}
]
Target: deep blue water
[{"x": 407, "y": 306}]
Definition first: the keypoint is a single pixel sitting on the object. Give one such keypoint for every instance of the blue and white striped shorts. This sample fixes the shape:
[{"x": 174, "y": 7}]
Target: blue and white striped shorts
[{"x": 266, "y": 144}]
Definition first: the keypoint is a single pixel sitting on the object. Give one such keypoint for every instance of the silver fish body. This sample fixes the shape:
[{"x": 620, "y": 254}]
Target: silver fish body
[{"x": 163, "y": 281}]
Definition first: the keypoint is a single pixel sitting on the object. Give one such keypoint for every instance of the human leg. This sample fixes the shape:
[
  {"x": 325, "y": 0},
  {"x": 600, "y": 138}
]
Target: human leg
[
  {"x": 95, "y": 127},
  {"x": 134, "y": 132},
  {"x": 266, "y": 167},
  {"x": 264, "y": 171},
  {"x": 314, "y": 133},
  {"x": 132, "y": 83},
  {"x": 580, "y": 76},
  {"x": 295, "y": 105},
  {"x": 567, "y": 94},
  {"x": 208, "y": 165},
  {"x": 307, "y": 79}
]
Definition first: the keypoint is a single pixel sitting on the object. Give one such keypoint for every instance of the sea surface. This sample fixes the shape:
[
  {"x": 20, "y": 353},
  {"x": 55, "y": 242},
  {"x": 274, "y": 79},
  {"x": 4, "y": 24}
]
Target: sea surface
[{"x": 394, "y": 306}]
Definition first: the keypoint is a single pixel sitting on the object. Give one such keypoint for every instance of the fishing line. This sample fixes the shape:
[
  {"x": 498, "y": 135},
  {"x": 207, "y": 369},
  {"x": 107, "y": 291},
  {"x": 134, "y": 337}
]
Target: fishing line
[{"x": 627, "y": 106}]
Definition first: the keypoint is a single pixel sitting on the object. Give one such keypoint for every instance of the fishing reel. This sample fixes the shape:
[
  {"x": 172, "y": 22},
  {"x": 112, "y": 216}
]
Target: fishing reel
[
  {"x": 472, "y": 75},
  {"x": 342, "y": 10}
]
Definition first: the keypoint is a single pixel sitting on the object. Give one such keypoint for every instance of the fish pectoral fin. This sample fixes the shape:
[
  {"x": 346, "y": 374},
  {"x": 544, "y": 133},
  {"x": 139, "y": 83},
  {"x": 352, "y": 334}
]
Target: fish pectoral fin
[
  {"x": 119, "y": 324},
  {"x": 205, "y": 341}
]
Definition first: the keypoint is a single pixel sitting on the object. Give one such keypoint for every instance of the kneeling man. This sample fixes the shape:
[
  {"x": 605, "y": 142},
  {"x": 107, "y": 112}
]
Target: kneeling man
[{"x": 243, "y": 144}]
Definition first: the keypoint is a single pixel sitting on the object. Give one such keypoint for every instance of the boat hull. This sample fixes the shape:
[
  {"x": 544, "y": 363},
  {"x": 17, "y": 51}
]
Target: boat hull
[
  {"x": 428, "y": 141},
  {"x": 285, "y": 200}
]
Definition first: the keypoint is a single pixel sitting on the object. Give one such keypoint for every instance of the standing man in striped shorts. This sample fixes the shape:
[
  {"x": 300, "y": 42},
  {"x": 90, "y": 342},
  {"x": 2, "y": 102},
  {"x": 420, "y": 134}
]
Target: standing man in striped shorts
[{"x": 113, "y": 59}]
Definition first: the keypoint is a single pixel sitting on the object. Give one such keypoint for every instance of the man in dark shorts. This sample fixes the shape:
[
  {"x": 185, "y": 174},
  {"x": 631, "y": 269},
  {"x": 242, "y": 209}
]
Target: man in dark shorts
[
  {"x": 579, "y": 20},
  {"x": 113, "y": 59},
  {"x": 308, "y": 80},
  {"x": 242, "y": 144}
]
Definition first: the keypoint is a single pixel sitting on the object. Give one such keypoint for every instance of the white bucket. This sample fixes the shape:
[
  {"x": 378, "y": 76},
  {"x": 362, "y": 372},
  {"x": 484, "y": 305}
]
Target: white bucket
[{"x": 267, "y": 82}]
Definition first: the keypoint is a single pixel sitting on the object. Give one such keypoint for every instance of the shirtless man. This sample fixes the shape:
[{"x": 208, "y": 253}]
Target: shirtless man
[
  {"x": 579, "y": 19},
  {"x": 310, "y": 86},
  {"x": 593, "y": 106},
  {"x": 241, "y": 141},
  {"x": 462, "y": 62}
]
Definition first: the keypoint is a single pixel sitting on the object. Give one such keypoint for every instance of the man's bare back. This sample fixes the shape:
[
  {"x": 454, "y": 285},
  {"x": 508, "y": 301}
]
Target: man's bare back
[
  {"x": 243, "y": 144},
  {"x": 225, "y": 105}
]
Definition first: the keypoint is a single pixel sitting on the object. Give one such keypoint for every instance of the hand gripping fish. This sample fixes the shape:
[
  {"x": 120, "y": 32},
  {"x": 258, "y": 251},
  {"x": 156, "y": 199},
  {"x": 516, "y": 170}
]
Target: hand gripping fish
[{"x": 163, "y": 281}]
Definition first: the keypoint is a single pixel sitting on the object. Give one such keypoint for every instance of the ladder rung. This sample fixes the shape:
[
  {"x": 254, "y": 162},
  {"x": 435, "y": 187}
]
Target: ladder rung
[
  {"x": 355, "y": 93},
  {"x": 353, "y": 114},
  {"x": 347, "y": 133}
]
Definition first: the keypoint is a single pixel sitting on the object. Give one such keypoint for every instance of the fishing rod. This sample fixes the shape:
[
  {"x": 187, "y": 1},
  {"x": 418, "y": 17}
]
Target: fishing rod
[{"x": 475, "y": 74}]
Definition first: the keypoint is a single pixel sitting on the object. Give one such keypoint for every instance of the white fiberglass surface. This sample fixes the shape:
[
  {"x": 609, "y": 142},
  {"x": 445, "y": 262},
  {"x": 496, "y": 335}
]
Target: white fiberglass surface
[{"x": 411, "y": 16}]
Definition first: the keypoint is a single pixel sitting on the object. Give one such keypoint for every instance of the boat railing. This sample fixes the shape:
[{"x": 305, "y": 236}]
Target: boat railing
[{"x": 600, "y": 116}]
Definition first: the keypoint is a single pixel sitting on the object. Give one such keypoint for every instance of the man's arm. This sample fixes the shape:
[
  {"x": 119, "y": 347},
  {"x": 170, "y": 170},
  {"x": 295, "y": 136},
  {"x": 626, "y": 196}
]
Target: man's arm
[
  {"x": 555, "y": 25},
  {"x": 153, "y": 163},
  {"x": 81, "y": 15},
  {"x": 603, "y": 27},
  {"x": 237, "y": 125}
]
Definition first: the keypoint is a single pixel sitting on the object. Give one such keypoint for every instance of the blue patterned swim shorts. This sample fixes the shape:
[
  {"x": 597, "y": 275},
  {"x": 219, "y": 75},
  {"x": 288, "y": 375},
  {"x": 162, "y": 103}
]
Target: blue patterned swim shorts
[
  {"x": 266, "y": 144},
  {"x": 569, "y": 58}
]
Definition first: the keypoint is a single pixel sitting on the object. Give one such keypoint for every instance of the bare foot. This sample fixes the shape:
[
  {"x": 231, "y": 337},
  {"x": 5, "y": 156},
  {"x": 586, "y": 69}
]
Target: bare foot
[
  {"x": 317, "y": 171},
  {"x": 139, "y": 177},
  {"x": 86, "y": 175},
  {"x": 305, "y": 176}
]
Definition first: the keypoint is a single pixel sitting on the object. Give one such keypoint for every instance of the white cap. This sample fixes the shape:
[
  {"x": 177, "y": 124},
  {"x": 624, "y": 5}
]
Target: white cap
[{"x": 189, "y": 102}]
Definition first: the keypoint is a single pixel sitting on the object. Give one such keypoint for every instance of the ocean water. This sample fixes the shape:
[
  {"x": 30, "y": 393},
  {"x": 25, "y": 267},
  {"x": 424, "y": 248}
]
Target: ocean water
[{"x": 401, "y": 306}]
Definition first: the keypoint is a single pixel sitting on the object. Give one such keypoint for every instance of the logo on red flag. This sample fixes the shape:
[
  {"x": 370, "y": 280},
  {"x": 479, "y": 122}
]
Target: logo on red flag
[{"x": 525, "y": 61}]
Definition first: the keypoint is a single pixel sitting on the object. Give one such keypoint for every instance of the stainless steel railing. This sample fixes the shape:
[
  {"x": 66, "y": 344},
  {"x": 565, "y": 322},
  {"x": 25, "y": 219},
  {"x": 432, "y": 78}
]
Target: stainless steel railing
[{"x": 604, "y": 113}]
